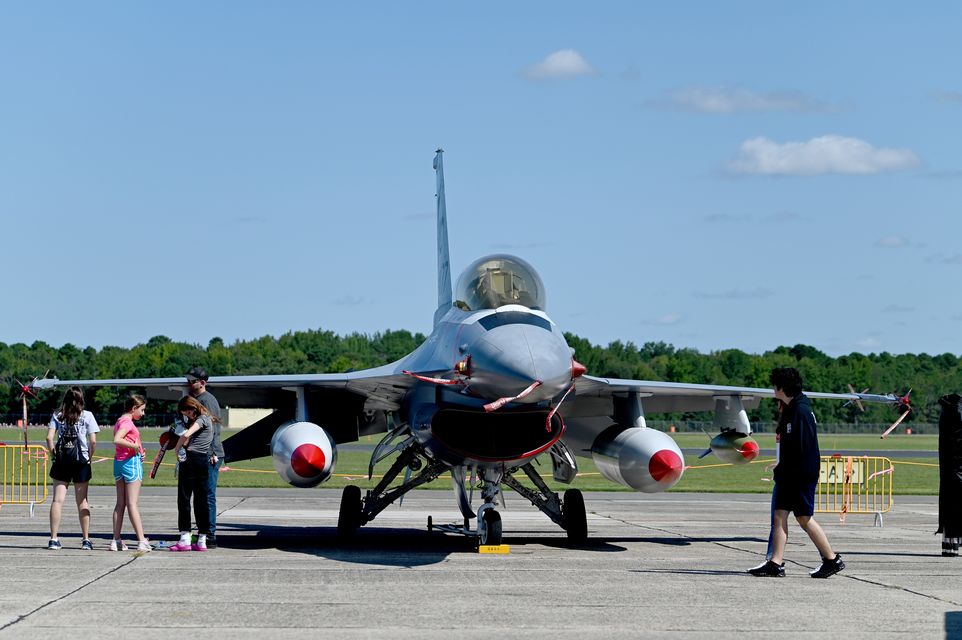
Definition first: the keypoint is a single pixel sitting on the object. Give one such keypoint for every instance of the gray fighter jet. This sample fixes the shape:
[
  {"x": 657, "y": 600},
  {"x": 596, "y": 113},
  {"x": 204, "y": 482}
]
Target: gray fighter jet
[{"x": 492, "y": 388}]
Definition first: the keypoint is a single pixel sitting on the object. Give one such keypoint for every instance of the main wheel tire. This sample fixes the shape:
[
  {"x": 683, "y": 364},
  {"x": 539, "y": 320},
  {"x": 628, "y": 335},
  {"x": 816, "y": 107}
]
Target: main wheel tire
[
  {"x": 575, "y": 516},
  {"x": 349, "y": 516},
  {"x": 492, "y": 532}
]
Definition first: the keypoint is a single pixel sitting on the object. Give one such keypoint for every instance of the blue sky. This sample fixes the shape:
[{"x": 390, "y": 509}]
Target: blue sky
[{"x": 713, "y": 175}]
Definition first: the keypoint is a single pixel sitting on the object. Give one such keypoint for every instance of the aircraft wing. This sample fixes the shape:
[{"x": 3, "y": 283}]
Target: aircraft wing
[
  {"x": 664, "y": 397},
  {"x": 381, "y": 387},
  {"x": 349, "y": 405}
]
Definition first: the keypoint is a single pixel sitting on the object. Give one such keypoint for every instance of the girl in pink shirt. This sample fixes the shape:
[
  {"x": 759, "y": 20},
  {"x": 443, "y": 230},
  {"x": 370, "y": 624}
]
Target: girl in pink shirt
[{"x": 129, "y": 473}]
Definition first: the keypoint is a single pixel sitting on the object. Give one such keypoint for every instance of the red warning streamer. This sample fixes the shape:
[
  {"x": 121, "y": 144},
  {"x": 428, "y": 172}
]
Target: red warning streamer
[
  {"x": 431, "y": 380},
  {"x": 500, "y": 402}
]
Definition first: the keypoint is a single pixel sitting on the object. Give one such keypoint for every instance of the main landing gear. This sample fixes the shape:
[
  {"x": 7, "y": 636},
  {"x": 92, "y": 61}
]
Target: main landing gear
[
  {"x": 567, "y": 512},
  {"x": 356, "y": 511}
]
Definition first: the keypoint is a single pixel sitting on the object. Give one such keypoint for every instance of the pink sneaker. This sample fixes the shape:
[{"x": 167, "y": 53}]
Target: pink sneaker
[
  {"x": 180, "y": 546},
  {"x": 198, "y": 547}
]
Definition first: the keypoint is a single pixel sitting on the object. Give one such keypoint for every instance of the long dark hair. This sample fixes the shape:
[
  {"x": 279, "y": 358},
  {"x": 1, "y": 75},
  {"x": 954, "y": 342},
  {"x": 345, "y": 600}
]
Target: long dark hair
[
  {"x": 72, "y": 406},
  {"x": 190, "y": 402}
]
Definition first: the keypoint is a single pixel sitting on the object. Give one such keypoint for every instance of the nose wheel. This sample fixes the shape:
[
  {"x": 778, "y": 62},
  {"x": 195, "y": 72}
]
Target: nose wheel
[{"x": 489, "y": 529}]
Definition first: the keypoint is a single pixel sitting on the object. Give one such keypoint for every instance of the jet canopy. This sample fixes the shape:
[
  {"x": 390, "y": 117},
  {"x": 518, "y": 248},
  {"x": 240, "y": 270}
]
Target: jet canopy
[{"x": 494, "y": 281}]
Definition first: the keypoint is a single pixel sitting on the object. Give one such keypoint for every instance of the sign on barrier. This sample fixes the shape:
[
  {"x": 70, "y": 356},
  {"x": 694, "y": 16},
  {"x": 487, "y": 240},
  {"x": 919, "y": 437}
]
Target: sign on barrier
[
  {"x": 23, "y": 475},
  {"x": 854, "y": 484}
]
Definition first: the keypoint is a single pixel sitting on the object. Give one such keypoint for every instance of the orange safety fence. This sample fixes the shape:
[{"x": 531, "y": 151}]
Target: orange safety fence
[
  {"x": 24, "y": 474},
  {"x": 854, "y": 484}
]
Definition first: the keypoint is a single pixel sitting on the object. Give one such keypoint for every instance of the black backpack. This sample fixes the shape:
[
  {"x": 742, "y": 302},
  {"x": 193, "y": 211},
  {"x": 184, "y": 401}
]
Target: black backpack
[{"x": 68, "y": 448}]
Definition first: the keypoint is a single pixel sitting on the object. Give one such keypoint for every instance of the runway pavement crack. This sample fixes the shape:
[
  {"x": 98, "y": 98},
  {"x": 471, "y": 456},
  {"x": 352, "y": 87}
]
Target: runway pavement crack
[{"x": 68, "y": 594}]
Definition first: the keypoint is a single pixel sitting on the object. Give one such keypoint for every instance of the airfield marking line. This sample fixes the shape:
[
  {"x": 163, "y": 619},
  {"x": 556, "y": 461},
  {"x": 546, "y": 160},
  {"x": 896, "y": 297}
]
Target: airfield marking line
[
  {"x": 917, "y": 464},
  {"x": 67, "y": 595}
]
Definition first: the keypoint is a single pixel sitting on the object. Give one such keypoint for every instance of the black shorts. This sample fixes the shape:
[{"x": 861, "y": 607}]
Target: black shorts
[
  {"x": 71, "y": 472},
  {"x": 797, "y": 498}
]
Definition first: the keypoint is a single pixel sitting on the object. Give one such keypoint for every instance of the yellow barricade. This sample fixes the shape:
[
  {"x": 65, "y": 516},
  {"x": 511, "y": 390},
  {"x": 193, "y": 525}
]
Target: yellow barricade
[
  {"x": 24, "y": 475},
  {"x": 854, "y": 484}
]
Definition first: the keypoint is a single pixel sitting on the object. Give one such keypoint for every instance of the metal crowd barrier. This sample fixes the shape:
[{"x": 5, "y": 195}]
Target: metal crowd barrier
[
  {"x": 854, "y": 484},
  {"x": 24, "y": 475}
]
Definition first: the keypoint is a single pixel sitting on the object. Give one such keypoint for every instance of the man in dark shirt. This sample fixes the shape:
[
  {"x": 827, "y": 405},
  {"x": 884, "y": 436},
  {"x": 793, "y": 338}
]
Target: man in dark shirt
[
  {"x": 796, "y": 477},
  {"x": 197, "y": 387}
]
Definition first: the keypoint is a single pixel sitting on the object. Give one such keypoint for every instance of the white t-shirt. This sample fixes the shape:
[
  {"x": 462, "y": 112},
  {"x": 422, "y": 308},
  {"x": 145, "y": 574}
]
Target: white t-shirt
[{"x": 85, "y": 426}]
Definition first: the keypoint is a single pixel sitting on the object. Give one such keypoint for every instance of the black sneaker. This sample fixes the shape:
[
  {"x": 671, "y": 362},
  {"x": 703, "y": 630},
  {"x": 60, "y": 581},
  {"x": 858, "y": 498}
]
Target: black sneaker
[
  {"x": 829, "y": 567},
  {"x": 212, "y": 541},
  {"x": 54, "y": 545},
  {"x": 86, "y": 545},
  {"x": 768, "y": 570}
]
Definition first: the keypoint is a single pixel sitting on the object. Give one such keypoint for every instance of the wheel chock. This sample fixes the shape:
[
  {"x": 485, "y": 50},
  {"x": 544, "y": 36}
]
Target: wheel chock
[{"x": 494, "y": 548}]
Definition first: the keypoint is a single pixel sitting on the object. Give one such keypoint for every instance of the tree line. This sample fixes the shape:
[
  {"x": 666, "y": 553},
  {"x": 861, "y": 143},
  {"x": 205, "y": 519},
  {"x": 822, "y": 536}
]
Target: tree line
[{"x": 319, "y": 351}]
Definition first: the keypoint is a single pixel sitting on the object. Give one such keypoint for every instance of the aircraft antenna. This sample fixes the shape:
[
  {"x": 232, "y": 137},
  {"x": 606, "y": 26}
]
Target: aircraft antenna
[{"x": 444, "y": 261}]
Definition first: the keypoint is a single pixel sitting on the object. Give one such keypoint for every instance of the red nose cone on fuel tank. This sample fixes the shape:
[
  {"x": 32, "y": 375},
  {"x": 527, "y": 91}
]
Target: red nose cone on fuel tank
[
  {"x": 749, "y": 450},
  {"x": 308, "y": 460},
  {"x": 665, "y": 466}
]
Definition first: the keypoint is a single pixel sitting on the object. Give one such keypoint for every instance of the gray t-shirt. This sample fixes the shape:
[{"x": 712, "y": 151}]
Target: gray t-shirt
[
  {"x": 85, "y": 426},
  {"x": 200, "y": 441},
  {"x": 210, "y": 403}
]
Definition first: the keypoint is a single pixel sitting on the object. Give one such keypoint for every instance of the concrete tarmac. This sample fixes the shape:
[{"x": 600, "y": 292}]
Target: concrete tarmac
[{"x": 656, "y": 566}]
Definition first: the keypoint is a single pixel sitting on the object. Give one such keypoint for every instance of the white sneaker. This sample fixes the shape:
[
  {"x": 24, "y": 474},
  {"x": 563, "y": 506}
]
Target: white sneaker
[
  {"x": 144, "y": 545},
  {"x": 118, "y": 545}
]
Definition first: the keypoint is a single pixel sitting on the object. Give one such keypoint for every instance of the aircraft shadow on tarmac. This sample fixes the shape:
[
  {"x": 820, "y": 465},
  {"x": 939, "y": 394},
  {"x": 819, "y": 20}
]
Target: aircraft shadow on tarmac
[
  {"x": 414, "y": 547},
  {"x": 403, "y": 547},
  {"x": 953, "y": 625}
]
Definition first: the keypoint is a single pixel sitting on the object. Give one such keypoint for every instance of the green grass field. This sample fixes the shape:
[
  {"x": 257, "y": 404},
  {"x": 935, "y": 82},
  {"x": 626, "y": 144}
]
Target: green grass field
[{"x": 918, "y": 476}]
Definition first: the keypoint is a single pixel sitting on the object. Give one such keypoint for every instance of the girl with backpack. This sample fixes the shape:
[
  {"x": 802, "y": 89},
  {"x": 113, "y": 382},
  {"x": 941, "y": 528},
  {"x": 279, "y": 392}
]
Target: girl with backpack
[
  {"x": 129, "y": 473},
  {"x": 75, "y": 430}
]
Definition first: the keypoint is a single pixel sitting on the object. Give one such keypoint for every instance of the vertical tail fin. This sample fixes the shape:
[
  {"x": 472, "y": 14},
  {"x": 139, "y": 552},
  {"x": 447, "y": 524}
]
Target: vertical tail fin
[{"x": 444, "y": 261}]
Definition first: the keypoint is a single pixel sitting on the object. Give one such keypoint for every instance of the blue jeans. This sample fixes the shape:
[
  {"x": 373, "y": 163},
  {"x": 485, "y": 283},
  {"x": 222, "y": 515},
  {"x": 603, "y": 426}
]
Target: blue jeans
[{"x": 212, "y": 474}]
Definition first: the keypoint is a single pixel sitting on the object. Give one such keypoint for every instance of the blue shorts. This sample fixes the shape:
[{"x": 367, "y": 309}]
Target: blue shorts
[
  {"x": 798, "y": 498},
  {"x": 129, "y": 470}
]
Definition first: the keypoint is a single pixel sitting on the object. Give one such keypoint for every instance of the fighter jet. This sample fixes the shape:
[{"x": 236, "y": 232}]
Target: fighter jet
[{"x": 493, "y": 388}]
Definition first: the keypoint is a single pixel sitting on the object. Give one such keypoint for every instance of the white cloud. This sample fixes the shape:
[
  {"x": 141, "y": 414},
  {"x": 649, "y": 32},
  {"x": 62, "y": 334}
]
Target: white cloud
[
  {"x": 825, "y": 154},
  {"x": 892, "y": 242},
  {"x": 738, "y": 294},
  {"x": 949, "y": 96},
  {"x": 566, "y": 63},
  {"x": 743, "y": 218},
  {"x": 897, "y": 308},
  {"x": 868, "y": 343},
  {"x": 668, "y": 318},
  {"x": 733, "y": 100}
]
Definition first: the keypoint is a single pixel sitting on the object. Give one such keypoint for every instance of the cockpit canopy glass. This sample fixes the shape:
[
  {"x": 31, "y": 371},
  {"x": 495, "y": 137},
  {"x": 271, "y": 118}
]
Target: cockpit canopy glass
[{"x": 494, "y": 281}]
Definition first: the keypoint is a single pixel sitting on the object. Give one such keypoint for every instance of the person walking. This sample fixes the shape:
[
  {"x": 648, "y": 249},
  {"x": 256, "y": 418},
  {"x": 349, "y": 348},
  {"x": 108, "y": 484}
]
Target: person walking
[
  {"x": 796, "y": 477},
  {"x": 193, "y": 450},
  {"x": 75, "y": 430},
  {"x": 129, "y": 473},
  {"x": 197, "y": 388}
]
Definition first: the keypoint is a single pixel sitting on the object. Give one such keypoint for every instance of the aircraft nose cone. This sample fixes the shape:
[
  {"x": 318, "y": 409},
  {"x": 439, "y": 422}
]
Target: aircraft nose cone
[{"x": 507, "y": 359}]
